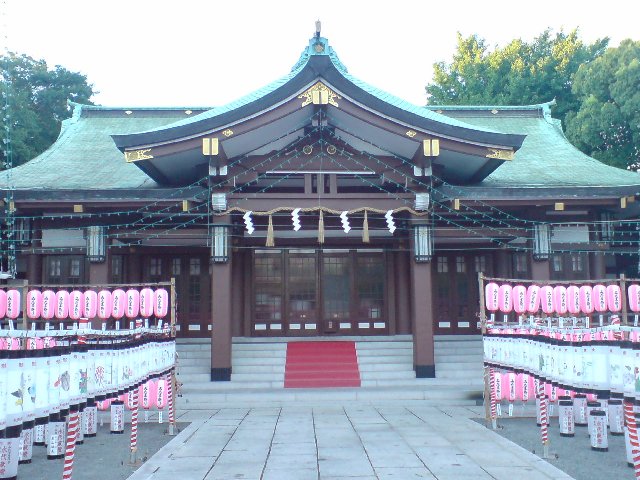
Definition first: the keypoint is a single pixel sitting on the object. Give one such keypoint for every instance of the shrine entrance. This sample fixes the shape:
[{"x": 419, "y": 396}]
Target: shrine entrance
[{"x": 319, "y": 292}]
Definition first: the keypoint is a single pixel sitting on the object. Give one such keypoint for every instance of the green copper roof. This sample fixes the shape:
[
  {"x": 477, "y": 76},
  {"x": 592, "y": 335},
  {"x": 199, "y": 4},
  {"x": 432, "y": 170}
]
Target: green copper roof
[
  {"x": 84, "y": 155},
  {"x": 546, "y": 158},
  {"x": 319, "y": 47}
]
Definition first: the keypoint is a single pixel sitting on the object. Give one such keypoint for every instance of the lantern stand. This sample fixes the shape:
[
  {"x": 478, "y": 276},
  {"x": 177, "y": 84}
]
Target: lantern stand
[
  {"x": 489, "y": 419},
  {"x": 172, "y": 402},
  {"x": 134, "y": 428}
]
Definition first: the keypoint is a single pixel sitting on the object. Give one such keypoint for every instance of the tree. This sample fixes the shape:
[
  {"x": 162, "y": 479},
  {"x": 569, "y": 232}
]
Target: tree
[
  {"x": 607, "y": 124},
  {"x": 34, "y": 102},
  {"x": 518, "y": 74}
]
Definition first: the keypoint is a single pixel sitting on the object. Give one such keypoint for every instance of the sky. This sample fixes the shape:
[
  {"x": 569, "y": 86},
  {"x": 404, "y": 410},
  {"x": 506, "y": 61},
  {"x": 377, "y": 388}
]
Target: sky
[{"x": 191, "y": 53}]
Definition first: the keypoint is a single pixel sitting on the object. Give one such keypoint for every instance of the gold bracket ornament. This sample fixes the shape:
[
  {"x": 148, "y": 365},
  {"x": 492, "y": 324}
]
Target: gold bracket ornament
[
  {"x": 228, "y": 132},
  {"x": 411, "y": 134},
  {"x": 319, "y": 94},
  {"x": 137, "y": 155},
  {"x": 500, "y": 154}
]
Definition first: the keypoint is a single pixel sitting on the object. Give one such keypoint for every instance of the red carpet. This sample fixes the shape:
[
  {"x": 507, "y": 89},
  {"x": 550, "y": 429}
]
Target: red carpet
[{"x": 321, "y": 365}]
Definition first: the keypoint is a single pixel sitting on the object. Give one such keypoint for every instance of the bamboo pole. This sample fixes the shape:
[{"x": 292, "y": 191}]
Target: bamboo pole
[
  {"x": 173, "y": 306},
  {"x": 487, "y": 370},
  {"x": 23, "y": 302}
]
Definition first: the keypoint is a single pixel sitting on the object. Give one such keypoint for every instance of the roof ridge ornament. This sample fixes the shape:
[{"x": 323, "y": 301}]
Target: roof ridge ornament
[
  {"x": 319, "y": 94},
  {"x": 318, "y": 26}
]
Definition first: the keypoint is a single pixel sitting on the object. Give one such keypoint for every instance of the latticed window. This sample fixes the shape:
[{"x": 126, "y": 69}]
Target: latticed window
[
  {"x": 155, "y": 267},
  {"x": 176, "y": 266},
  {"x": 480, "y": 263},
  {"x": 577, "y": 263},
  {"x": 461, "y": 266},
  {"x": 557, "y": 263},
  {"x": 520, "y": 263},
  {"x": 442, "y": 265},
  {"x": 194, "y": 266}
]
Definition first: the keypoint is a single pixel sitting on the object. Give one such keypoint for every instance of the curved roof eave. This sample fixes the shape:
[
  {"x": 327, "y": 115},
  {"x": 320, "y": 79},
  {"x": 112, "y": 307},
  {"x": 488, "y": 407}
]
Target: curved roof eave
[{"x": 315, "y": 67}]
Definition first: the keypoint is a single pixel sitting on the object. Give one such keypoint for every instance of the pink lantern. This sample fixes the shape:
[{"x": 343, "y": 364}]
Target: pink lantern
[
  {"x": 505, "y": 300},
  {"x": 524, "y": 389},
  {"x": 573, "y": 299},
  {"x": 519, "y": 295},
  {"x": 48, "y": 304},
  {"x": 586, "y": 299},
  {"x": 134, "y": 300},
  {"x": 129, "y": 400},
  {"x": 614, "y": 297},
  {"x": 104, "y": 304},
  {"x": 560, "y": 299},
  {"x": 3, "y": 303},
  {"x": 147, "y": 394},
  {"x": 90, "y": 304},
  {"x": 600, "y": 298},
  {"x": 533, "y": 298},
  {"x": 161, "y": 394},
  {"x": 103, "y": 405},
  {"x": 62, "y": 304},
  {"x": 118, "y": 301},
  {"x": 75, "y": 304},
  {"x": 13, "y": 304},
  {"x": 510, "y": 391},
  {"x": 34, "y": 304},
  {"x": 491, "y": 296},
  {"x": 634, "y": 297},
  {"x": 146, "y": 302},
  {"x": 161, "y": 303},
  {"x": 546, "y": 299},
  {"x": 498, "y": 384}
]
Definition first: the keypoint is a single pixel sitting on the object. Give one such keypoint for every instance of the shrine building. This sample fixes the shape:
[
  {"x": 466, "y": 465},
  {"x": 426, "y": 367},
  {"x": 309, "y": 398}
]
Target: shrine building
[{"x": 317, "y": 206}]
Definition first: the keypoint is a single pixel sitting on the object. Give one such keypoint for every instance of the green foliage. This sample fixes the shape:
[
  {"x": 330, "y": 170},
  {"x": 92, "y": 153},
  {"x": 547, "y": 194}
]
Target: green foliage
[
  {"x": 34, "y": 103},
  {"x": 607, "y": 124},
  {"x": 520, "y": 73}
]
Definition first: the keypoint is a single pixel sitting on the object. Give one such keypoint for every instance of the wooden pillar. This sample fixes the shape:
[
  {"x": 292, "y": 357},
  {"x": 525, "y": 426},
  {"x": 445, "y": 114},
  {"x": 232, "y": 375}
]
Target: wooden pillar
[
  {"x": 237, "y": 295},
  {"x": 99, "y": 272},
  {"x": 540, "y": 270},
  {"x": 34, "y": 269},
  {"x": 134, "y": 272},
  {"x": 403, "y": 293},
  {"x": 221, "y": 304},
  {"x": 598, "y": 266},
  {"x": 422, "y": 318}
]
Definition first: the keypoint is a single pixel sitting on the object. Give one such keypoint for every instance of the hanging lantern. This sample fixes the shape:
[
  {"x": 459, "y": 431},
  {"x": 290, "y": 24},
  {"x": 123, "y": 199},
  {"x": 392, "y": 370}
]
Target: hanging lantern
[
  {"x": 423, "y": 239},
  {"x": 586, "y": 300},
  {"x": 132, "y": 303},
  {"x": 161, "y": 303},
  {"x": 634, "y": 297},
  {"x": 519, "y": 294},
  {"x": 146, "y": 302},
  {"x": 533, "y": 298},
  {"x": 546, "y": 300},
  {"x": 118, "y": 302},
  {"x": 90, "y": 304},
  {"x": 104, "y": 304},
  {"x": 13, "y": 304},
  {"x": 220, "y": 243},
  {"x": 573, "y": 299},
  {"x": 491, "y": 296},
  {"x": 600, "y": 298},
  {"x": 75, "y": 304},
  {"x": 3, "y": 303},
  {"x": 34, "y": 304},
  {"x": 614, "y": 298},
  {"x": 560, "y": 299},
  {"x": 62, "y": 304}
]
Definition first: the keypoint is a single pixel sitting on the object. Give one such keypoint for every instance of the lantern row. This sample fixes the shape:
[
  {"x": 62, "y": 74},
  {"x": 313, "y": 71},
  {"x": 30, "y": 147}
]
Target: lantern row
[
  {"x": 76, "y": 304},
  {"x": 559, "y": 299},
  {"x": 589, "y": 360},
  {"x": 49, "y": 376}
]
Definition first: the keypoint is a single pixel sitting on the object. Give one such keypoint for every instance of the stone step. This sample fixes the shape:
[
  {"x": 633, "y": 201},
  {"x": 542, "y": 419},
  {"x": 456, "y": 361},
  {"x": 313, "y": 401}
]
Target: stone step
[
  {"x": 189, "y": 362},
  {"x": 193, "y": 378},
  {"x": 405, "y": 358},
  {"x": 256, "y": 377},
  {"x": 194, "y": 354},
  {"x": 385, "y": 367},
  {"x": 258, "y": 354},
  {"x": 384, "y": 352},
  {"x": 407, "y": 374},
  {"x": 258, "y": 361},
  {"x": 459, "y": 366},
  {"x": 238, "y": 347},
  {"x": 384, "y": 345},
  {"x": 188, "y": 369},
  {"x": 259, "y": 368},
  {"x": 460, "y": 374}
]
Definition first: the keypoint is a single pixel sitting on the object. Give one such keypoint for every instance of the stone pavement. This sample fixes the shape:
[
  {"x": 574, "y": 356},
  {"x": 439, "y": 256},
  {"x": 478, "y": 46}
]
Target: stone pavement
[{"x": 362, "y": 442}]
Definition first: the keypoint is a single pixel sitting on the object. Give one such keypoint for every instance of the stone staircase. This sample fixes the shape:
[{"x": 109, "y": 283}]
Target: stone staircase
[{"x": 386, "y": 373}]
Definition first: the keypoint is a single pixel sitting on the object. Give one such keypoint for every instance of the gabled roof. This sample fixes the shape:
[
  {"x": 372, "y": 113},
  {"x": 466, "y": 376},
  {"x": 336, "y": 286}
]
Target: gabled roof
[
  {"x": 318, "y": 60},
  {"x": 84, "y": 156},
  {"x": 546, "y": 158}
]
